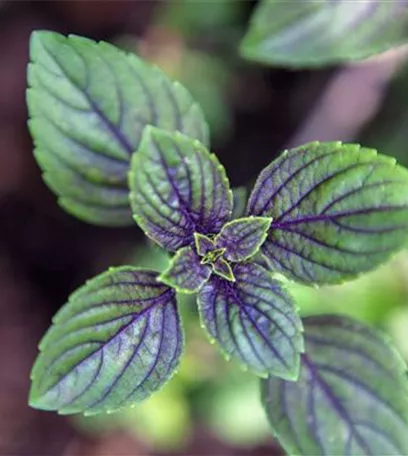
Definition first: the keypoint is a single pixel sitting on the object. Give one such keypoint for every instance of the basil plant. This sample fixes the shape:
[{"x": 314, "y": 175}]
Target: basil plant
[{"x": 120, "y": 144}]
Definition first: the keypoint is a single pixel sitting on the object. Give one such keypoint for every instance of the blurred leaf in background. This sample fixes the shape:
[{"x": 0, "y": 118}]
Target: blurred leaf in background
[
  {"x": 371, "y": 298},
  {"x": 388, "y": 132},
  {"x": 310, "y": 33},
  {"x": 163, "y": 423},
  {"x": 196, "y": 21},
  {"x": 233, "y": 411},
  {"x": 195, "y": 44},
  {"x": 396, "y": 325}
]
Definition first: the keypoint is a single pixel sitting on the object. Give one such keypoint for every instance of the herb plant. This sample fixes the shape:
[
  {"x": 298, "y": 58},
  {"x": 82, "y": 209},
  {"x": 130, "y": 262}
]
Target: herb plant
[{"x": 117, "y": 139}]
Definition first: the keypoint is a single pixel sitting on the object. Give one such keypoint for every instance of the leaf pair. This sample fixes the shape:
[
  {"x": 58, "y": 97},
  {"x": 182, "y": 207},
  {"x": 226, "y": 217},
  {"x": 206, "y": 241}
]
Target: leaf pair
[{"x": 119, "y": 338}]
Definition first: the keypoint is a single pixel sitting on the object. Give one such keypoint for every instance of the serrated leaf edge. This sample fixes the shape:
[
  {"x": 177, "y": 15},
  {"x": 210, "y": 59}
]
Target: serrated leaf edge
[
  {"x": 137, "y": 160},
  {"x": 244, "y": 367},
  {"x": 108, "y": 272},
  {"x": 162, "y": 278}
]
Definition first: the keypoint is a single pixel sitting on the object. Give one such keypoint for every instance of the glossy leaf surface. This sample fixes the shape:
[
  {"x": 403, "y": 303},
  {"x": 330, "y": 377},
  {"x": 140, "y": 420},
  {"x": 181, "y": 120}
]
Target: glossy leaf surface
[
  {"x": 177, "y": 188},
  {"x": 185, "y": 272},
  {"x": 338, "y": 210},
  {"x": 351, "y": 397},
  {"x": 89, "y": 103},
  {"x": 115, "y": 342},
  {"x": 315, "y": 33},
  {"x": 242, "y": 237},
  {"x": 253, "y": 320}
]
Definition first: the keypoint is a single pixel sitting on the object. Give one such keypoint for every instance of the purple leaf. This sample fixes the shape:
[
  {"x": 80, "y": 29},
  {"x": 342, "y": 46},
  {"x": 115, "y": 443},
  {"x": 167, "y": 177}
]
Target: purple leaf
[
  {"x": 242, "y": 237},
  {"x": 222, "y": 268},
  {"x": 116, "y": 341},
  {"x": 203, "y": 244},
  {"x": 253, "y": 320},
  {"x": 177, "y": 188},
  {"x": 351, "y": 397},
  {"x": 185, "y": 272}
]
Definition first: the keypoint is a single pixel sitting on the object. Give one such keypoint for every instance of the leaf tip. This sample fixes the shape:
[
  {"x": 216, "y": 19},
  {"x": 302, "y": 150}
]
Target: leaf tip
[
  {"x": 41, "y": 38},
  {"x": 37, "y": 400},
  {"x": 291, "y": 375},
  {"x": 38, "y": 35}
]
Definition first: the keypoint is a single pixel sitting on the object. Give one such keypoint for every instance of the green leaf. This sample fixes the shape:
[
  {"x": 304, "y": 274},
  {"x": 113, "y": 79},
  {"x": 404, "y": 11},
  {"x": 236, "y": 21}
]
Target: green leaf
[
  {"x": 89, "y": 104},
  {"x": 177, "y": 188},
  {"x": 338, "y": 210},
  {"x": 242, "y": 238},
  {"x": 253, "y": 320},
  {"x": 117, "y": 341},
  {"x": 312, "y": 33},
  {"x": 186, "y": 273},
  {"x": 351, "y": 397}
]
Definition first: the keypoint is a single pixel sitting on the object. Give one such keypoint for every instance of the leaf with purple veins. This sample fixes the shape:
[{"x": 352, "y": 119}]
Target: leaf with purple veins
[
  {"x": 89, "y": 103},
  {"x": 177, "y": 188},
  {"x": 117, "y": 341},
  {"x": 203, "y": 244},
  {"x": 351, "y": 397},
  {"x": 338, "y": 210},
  {"x": 242, "y": 237},
  {"x": 254, "y": 321},
  {"x": 186, "y": 273},
  {"x": 222, "y": 268}
]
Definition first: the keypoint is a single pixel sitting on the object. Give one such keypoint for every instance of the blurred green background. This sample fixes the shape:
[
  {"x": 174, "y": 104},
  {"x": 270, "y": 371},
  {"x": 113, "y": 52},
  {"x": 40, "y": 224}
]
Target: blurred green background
[{"x": 211, "y": 407}]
